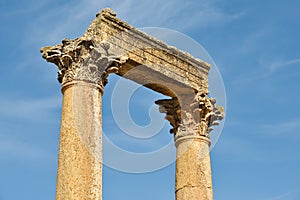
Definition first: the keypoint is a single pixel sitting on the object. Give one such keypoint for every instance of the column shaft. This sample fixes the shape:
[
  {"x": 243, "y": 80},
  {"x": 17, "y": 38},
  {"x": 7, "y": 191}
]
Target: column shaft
[
  {"x": 193, "y": 170},
  {"x": 79, "y": 174}
]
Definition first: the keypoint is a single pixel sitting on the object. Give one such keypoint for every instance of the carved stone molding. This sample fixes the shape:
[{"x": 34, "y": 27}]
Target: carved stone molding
[
  {"x": 81, "y": 59},
  {"x": 191, "y": 118}
]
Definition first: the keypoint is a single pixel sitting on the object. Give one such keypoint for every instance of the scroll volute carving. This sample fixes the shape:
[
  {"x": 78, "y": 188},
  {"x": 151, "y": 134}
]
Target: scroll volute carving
[
  {"x": 206, "y": 110},
  {"x": 194, "y": 117},
  {"x": 68, "y": 56},
  {"x": 81, "y": 59}
]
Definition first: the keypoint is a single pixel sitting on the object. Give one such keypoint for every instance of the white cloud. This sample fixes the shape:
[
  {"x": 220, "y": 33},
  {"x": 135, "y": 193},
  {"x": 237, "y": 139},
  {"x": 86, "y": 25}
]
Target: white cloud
[
  {"x": 275, "y": 66},
  {"x": 30, "y": 109},
  {"x": 54, "y": 25},
  {"x": 24, "y": 10},
  {"x": 57, "y": 23},
  {"x": 181, "y": 15},
  {"x": 268, "y": 69},
  {"x": 285, "y": 127},
  {"x": 71, "y": 20},
  {"x": 252, "y": 40},
  {"x": 291, "y": 195},
  {"x": 236, "y": 147},
  {"x": 14, "y": 147}
]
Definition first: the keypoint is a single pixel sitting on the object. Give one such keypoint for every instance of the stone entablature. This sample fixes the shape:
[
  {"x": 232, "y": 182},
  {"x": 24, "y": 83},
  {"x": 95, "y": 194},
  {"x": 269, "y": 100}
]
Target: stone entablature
[
  {"x": 112, "y": 46},
  {"x": 172, "y": 71}
]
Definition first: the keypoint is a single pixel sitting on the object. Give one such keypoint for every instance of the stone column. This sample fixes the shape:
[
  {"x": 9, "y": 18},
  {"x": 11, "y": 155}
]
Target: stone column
[
  {"x": 80, "y": 158},
  {"x": 191, "y": 121},
  {"x": 83, "y": 71}
]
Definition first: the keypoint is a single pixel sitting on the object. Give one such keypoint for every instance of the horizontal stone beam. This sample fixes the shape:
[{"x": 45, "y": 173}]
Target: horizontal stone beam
[{"x": 151, "y": 62}]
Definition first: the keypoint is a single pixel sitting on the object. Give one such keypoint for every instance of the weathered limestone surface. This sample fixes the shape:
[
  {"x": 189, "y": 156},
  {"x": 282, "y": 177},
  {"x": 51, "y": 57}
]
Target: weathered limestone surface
[
  {"x": 112, "y": 46},
  {"x": 83, "y": 70},
  {"x": 192, "y": 118},
  {"x": 193, "y": 171},
  {"x": 169, "y": 69},
  {"x": 80, "y": 159}
]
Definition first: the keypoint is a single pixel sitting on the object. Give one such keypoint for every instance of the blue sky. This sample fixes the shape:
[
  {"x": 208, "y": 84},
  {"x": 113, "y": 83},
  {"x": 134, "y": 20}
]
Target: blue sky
[{"x": 254, "y": 43}]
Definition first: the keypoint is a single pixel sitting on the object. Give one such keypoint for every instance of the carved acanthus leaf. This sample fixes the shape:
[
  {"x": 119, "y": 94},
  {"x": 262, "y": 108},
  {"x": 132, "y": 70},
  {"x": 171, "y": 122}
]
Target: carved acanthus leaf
[
  {"x": 193, "y": 119},
  {"x": 99, "y": 65},
  {"x": 205, "y": 110},
  {"x": 172, "y": 110},
  {"x": 81, "y": 59}
]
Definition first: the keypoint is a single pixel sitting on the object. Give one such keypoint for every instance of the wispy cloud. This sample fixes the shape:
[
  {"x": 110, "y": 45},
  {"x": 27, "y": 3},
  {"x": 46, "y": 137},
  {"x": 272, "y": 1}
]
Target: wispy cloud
[
  {"x": 236, "y": 147},
  {"x": 252, "y": 40},
  {"x": 285, "y": 127},
  {"x": 268, "y": 69},
  {"x": 15, "y": 147},
  {"x": 28, "y": 8},
  {"x": 209, "y": 16},
  {"x": 275, "y": 66},
  {"x": 290, "y": 195},
  {"x": 162, "y": 15},
  {"x": 71, "y": 20},
  {"x": 128, "y": 133},
  {"x": 68, "y": 19},
  {"x": 281, "y": 196},
  {"x": 39, "y": 111},
  {"x": 30, "y": 109}
]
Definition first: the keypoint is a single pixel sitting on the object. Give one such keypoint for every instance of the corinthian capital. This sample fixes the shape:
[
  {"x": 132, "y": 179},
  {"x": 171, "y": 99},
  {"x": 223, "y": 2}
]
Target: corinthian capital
[
  {"x": 81, "y": 59},
  {"x": 193, "y": 117}
]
